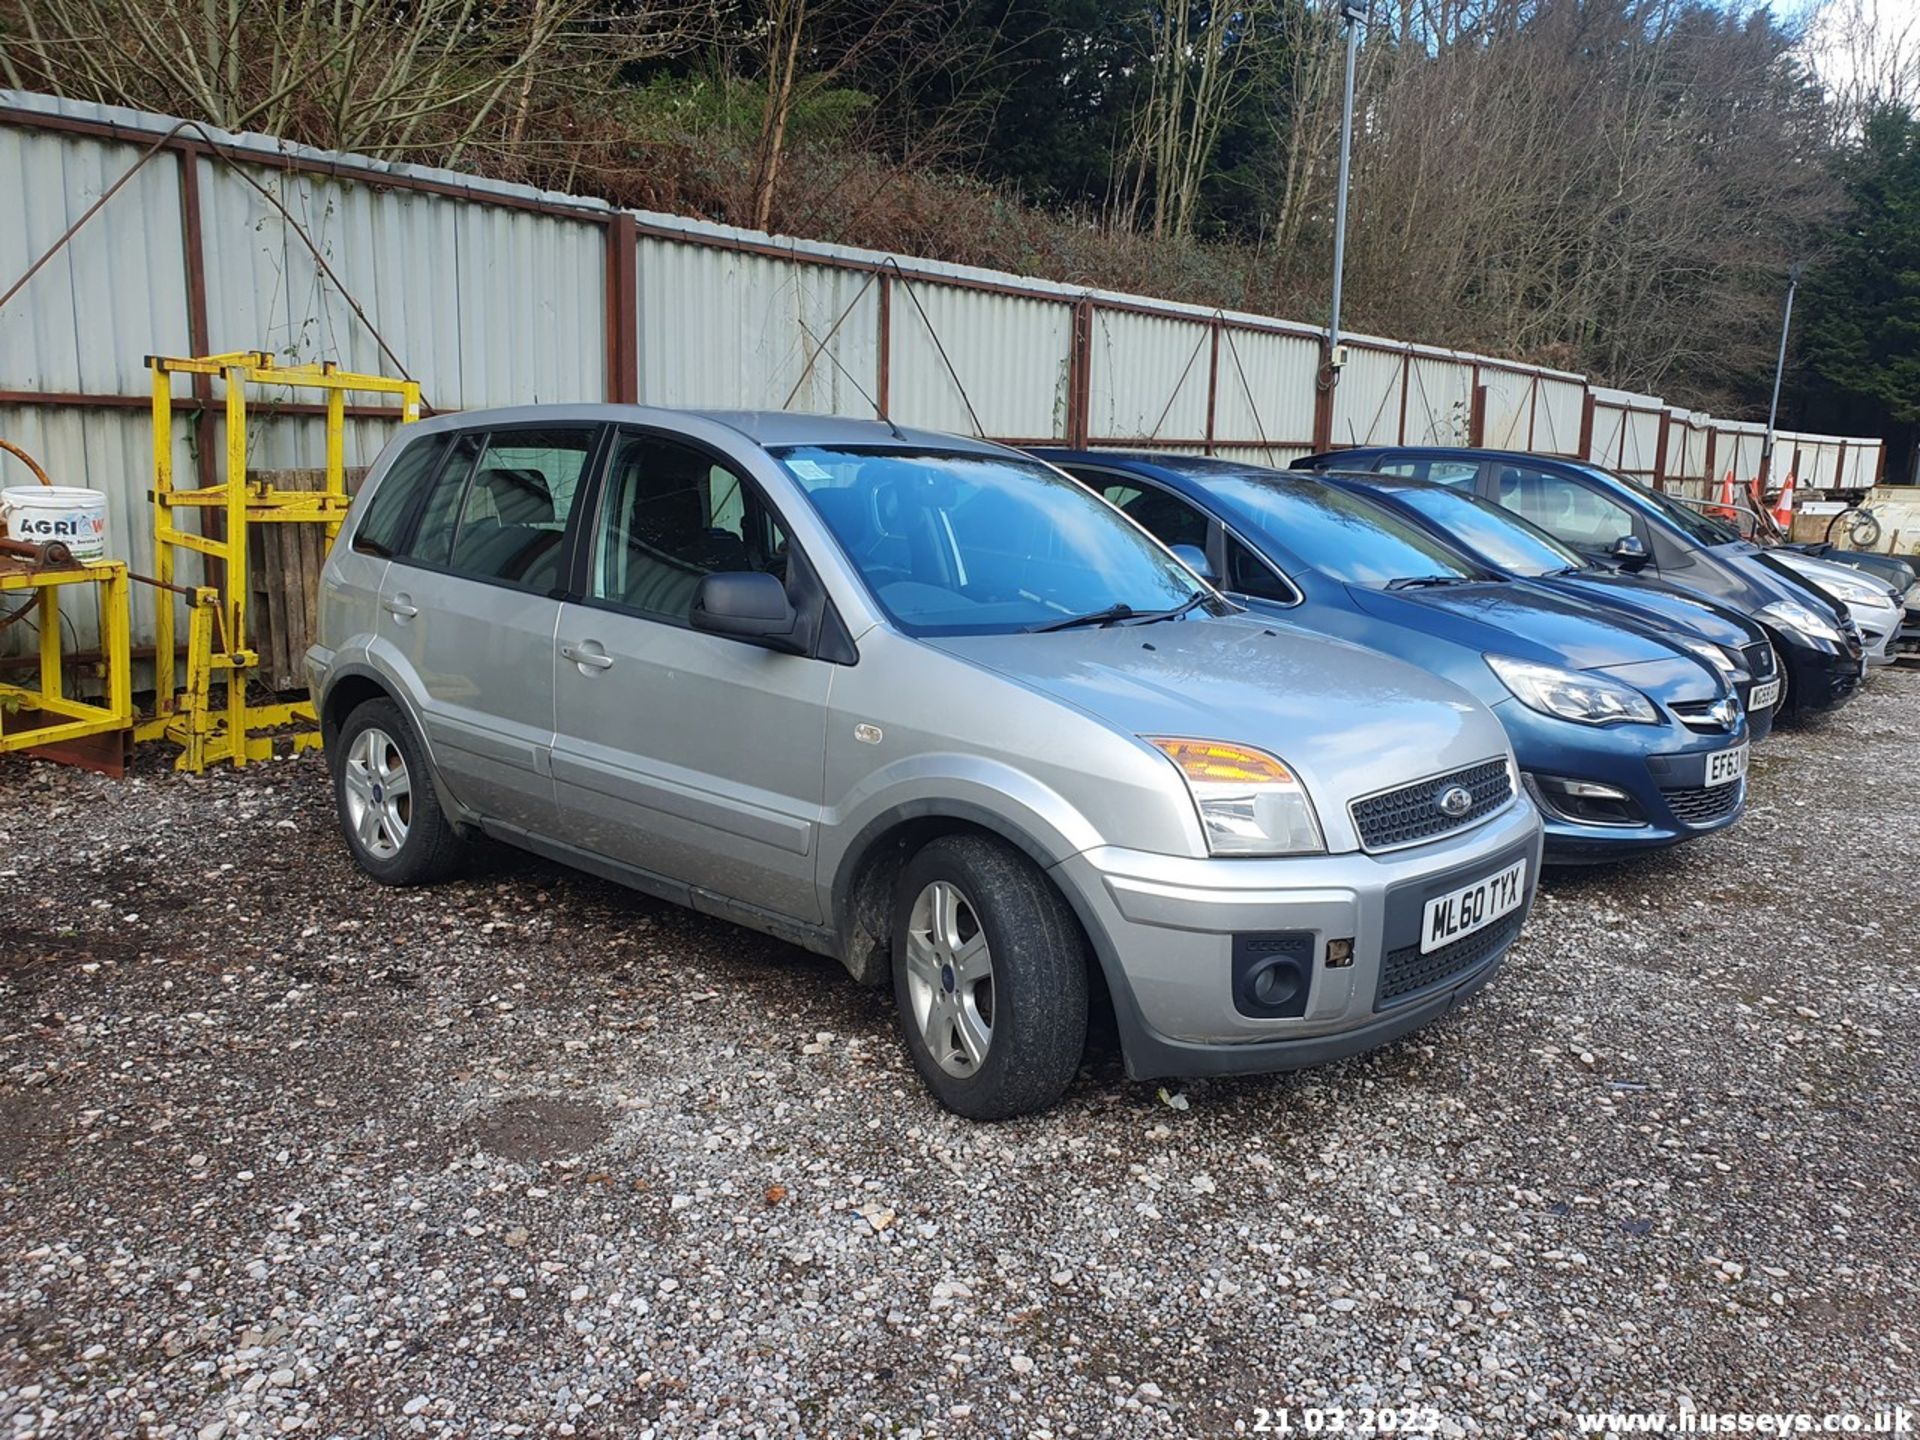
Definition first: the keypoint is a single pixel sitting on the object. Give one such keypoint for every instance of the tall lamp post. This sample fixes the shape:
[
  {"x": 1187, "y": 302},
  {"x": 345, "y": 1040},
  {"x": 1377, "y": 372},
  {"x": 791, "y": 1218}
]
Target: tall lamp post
[
  {"x": 1355, "y": 13},
  {"x": 1779, "y": 366}
]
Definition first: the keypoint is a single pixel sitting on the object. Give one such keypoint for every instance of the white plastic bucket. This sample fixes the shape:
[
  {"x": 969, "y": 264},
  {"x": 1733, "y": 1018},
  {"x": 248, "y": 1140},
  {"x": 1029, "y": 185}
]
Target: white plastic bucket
[{"x": 75, "y": 517}]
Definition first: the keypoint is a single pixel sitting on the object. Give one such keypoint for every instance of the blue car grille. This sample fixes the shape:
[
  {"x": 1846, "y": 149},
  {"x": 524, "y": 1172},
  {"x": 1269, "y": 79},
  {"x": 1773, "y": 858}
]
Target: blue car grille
[
  {"x": 1704, "y": 804},
  {"x": 1408, "y": 972},
  {"x": 1412, "y": 813}
]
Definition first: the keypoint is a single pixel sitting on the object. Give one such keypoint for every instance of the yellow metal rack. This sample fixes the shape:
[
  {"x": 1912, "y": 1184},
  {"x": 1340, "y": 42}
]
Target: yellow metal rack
[
  {"x": 71, "y": 719},
  {"x": 218, "y": 653}
]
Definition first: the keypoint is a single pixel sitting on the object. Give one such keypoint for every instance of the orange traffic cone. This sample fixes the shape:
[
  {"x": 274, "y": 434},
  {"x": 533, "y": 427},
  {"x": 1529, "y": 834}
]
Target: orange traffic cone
[
  {"x": 1783, "y": 507},
  {"x": 1725, "y": 507}
]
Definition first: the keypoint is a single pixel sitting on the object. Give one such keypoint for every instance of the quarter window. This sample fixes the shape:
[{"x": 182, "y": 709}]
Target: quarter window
[
  {"x": 1248, "y": 574},
  {"x": 672, "y": 517},
  {"x": 1563, "y": 508},
  {"x": 392, "y": 503}
]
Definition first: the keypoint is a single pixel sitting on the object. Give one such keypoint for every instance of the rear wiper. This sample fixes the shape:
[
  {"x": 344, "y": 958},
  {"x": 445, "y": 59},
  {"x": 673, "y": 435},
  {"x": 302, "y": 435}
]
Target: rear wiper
[
  {"x": 1121, "y": 611},
  {"x": 1422, "y": 582}
]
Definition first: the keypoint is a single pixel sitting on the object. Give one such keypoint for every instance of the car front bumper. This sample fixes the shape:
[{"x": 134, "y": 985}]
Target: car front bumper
[
  {"x": 1174, "y": 933},
  {"x": 1818, "y": 677}
]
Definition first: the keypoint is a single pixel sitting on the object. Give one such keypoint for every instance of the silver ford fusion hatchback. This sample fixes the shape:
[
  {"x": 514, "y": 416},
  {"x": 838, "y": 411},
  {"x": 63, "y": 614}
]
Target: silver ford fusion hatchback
[{"x": 927, "y": 706}]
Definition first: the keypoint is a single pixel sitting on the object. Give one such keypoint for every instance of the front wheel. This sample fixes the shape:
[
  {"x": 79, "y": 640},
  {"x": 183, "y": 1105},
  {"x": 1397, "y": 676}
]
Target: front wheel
[
  {"x": 386, "y": 802},
  {"x": 990, "y": 978}
]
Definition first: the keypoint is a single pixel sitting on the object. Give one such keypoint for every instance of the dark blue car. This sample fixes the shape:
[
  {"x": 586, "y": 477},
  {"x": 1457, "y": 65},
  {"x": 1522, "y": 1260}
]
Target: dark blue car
[
  {"x": 1520, "y": 550},
  {"x": 1625, "y": 742},
  {"x": 1615, "y": 520}
]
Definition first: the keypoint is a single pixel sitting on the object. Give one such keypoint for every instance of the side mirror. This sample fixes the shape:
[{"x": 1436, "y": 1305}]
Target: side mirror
[
  {"x": 747, "y": 605},
  {"x": 1629, "y": 552},
  {"x": 1195, "y": 559}
]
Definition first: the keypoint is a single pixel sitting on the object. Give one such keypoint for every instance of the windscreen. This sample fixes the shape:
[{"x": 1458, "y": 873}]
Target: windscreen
[
  {"x": 1343, "y": 535},
  {"x": 973, "y": 544},
  {"x": 1498, "y": 535}
]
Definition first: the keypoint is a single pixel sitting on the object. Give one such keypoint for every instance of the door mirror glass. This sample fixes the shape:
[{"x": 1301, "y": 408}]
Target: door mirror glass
[
  {"x": 1195, "y": 559},
  {"x": 747, "y": 605}
]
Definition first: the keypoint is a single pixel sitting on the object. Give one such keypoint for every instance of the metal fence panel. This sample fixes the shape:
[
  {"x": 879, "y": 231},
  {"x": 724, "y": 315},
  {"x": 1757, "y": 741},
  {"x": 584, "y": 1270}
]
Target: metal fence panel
[
  {"x": 728, "y": 329},
  {"x": 484, "y": 305},
  {"x": 1007, "y": 355},
  {"x": 114, "y": 293},
  {"x": 1367, "y": 402},
  {"x": 1439, "y": 408},
  {"x": 1266, "y": 390},
  {"x": 1148, "y": 377}
]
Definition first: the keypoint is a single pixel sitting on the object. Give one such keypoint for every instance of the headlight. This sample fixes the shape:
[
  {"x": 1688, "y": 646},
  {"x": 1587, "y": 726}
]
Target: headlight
[
  {"x": 1250, "y": 803},
  {"x": 1573, "y": 694},
  {"x": 1855, "y": 590},
  {"x": 1798, "y": 619},
  {"x": 1710, "y": 654}
]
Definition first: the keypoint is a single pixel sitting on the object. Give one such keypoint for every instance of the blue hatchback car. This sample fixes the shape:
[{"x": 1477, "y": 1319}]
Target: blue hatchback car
[
  {"x": 1502, "y": 540},
  {"x": 1625, "y": 742}
]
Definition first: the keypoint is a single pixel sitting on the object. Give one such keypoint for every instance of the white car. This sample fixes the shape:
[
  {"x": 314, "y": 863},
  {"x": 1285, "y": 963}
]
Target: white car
[{"x": 1875, "y": 607}]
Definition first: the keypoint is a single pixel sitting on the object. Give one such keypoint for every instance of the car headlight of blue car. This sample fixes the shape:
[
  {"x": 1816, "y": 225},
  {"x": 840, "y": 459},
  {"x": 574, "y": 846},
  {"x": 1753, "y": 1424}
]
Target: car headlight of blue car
[{"x": 1576, "y": 695}]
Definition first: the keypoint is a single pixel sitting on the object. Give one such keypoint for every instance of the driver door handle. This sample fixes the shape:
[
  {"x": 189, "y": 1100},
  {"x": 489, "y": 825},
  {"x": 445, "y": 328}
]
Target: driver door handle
[
  {"x": 593, "y": 658},
  {"x": 401, "y": 608}
]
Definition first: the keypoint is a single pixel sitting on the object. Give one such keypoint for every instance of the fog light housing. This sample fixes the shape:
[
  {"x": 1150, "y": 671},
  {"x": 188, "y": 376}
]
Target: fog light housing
[
  {"x": 1583, "y": 802},
  {"x": 1272, "y": 973},
  {"x": 1339, "y": 954}
]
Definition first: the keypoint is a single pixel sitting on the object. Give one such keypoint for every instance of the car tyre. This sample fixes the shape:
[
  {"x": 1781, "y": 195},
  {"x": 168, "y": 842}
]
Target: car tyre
[
  {"x": 989, "y": 977},
  {"x": 384, "y": 795}
]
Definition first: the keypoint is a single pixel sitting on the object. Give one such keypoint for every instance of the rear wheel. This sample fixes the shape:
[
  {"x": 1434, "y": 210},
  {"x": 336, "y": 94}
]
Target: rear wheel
[
  {"x": 388, "y": 809},
  {"x": 990, "y": 978}
]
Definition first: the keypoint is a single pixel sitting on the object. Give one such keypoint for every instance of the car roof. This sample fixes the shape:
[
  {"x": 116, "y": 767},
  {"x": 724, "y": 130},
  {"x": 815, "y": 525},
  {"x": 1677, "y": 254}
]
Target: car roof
[
  {"x": 767, "y": 428},
  {"x": 1465, "y": 452}
]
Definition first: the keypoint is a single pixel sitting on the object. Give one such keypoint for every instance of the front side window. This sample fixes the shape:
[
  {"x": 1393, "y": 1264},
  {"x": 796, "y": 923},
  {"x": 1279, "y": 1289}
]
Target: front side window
[
  {"x": 671, "y": 518},
  {"x": 1502, "y": 536},
  {"x": 1350, "y": 538},
  {"x": 970, "y": 544},
  {"x": 1565, "y": 509},
  {"x": 391, "y": 505},
  {"x": 1169, "y": 519},
  {"x": 1707, "y": 529}
]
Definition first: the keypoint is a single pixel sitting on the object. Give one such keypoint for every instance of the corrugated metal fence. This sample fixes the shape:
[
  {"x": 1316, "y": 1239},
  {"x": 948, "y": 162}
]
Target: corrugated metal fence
[{"x": 492, "y": 294}]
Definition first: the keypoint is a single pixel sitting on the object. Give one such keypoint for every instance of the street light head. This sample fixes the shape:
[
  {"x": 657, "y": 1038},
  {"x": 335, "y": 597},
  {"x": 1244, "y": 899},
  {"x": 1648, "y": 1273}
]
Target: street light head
[{"x": 1356, "y": 12}]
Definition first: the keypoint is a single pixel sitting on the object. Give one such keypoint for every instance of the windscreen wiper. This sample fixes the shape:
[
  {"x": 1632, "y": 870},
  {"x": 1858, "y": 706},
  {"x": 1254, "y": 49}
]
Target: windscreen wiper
[
  {"x": 1121, "y": 611},
  {"x": 1423, "y": 582},
  {"x": 1199, "y": 597}
]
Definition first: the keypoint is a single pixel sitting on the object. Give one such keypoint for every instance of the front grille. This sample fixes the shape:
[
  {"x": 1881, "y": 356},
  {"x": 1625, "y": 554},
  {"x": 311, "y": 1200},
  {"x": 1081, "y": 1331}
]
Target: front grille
[
  {"x": 1759, "y": 660},
  {"x": 1412, "y": 813},
  {"x": 1704, "y": 804},
  {"x": 1407, "y": 972}
]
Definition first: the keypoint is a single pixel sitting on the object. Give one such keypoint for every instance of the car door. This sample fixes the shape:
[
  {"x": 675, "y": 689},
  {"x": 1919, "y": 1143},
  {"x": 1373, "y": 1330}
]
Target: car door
[
  {"x": 685, "y": 754},
  {"x": 1571, "y": 510},
  {"x": 470, "y": 608}
]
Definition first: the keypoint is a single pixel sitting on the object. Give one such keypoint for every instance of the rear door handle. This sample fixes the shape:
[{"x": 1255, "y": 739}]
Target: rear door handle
[
  {"x": 588, "y": 654},
  {"x": 401, "y": 607}
]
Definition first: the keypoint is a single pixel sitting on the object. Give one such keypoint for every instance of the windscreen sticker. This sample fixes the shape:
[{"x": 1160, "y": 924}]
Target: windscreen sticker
[{"x": 807, "y": 470}]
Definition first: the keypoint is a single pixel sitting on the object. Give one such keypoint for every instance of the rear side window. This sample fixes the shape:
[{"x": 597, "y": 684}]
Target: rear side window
[
  {"x": 1564, "y": 508},
  {"x": 515, "y": 510},
  {"x": 384, "y": 528},
  {"x": 498, "y": 509},
  {"x": 1458, "y": 473}
]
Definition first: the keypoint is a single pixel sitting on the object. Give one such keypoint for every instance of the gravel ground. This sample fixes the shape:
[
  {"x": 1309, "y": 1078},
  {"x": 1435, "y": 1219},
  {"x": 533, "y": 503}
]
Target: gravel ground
[{"x": 283, "y": 1151}]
